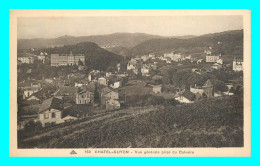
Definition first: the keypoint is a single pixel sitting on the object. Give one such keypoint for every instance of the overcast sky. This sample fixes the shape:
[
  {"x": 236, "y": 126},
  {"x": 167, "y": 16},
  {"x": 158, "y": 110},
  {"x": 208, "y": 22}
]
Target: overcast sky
[{"x": 44, "y": 27}]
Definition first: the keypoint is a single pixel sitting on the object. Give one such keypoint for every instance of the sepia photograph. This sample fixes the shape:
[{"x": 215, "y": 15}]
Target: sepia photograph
[{"x": 130, "y": 83}]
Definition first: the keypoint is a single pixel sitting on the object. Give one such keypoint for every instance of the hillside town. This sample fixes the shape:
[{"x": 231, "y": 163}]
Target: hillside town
[{"x": 135, "y": 81}]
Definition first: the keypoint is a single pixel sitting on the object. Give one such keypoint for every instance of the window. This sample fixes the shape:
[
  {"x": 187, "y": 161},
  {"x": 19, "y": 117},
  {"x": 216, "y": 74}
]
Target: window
[
  {"x": 46, "y": 116},
  {"x": 53, "y": 115}
]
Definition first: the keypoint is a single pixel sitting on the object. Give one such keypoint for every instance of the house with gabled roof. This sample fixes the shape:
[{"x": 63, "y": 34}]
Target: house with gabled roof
[
  {"x": 208, "y": 88},
  {"x": 41, "y": 95},
  {"x": 186, "y": 97},
  {"x": 108, "y": 93},
  {"x": 112, "y": 104},
  {"x": 28, "y": 91},
  {"x": 67, "y": 93},
  {"x": 84, "y": 95},
  {"x": 50, "y": 111}
]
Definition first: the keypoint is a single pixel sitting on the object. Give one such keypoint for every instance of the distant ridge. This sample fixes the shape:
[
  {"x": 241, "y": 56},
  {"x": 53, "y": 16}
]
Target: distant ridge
[
  {"x": 131, "y": 44},
  {"x": 229, "y": 43},
  {"x": 105, "y": 41}
]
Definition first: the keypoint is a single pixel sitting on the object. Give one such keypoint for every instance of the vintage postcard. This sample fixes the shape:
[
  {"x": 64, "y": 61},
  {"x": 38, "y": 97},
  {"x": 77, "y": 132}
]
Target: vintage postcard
[{"x": 130, "y": 83}]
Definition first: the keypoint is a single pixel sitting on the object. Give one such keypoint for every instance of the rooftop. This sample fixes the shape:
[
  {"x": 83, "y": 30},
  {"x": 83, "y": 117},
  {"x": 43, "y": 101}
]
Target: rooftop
[
  {"x": 189, "y": 95},
  {"x": 51, "y": 103}
]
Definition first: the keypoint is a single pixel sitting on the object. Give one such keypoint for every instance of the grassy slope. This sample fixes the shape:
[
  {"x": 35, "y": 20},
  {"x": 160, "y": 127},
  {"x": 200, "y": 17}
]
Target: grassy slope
[{"x": 208, "y": 123}]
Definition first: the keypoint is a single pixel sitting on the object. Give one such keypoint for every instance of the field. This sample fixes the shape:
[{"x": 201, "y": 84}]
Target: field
[{"x": 208, "y": 123}]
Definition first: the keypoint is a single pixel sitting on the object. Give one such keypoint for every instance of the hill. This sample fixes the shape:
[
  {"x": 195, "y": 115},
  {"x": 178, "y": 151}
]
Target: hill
[
  {"x": 104, "y": 41},
  {"x": 124, "y": 51},
  {"x": 208, "y": 123},
  {"x": 95, "y": 56},
  {"x": 126, "y": 40},
  {"x": 229, "y": 43}
]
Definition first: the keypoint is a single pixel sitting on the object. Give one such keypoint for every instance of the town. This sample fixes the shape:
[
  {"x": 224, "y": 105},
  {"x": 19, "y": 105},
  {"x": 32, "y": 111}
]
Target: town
[{"x": 71, "y": 90}]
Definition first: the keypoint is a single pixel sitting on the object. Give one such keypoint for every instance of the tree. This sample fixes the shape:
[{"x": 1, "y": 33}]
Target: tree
[
  {"x": 111, "y": 68},
  {"x": 220, "y": 86},
  {"x": 74, "y": 67},
  {"x": 32, "y": 125},
  {"x": 80, "y": 63}
]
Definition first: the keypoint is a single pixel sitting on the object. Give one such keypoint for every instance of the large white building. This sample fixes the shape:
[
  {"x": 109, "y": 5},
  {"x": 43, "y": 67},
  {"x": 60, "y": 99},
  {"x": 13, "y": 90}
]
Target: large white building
[
  {"x": 66, "y": 59},
  {"x": 26, "y": 58},
  {"x": 237, "y": 65},
  {"x": 173, "y": 56},
  {"x": 214, "y": 58}
]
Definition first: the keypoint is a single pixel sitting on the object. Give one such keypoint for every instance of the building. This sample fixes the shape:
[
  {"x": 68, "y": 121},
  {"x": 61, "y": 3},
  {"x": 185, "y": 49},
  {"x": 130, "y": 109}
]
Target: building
[
  {"x": 102, "y": 81},
  {"x": 84, "y": 96},
  {"x": 80, "y": 68},
  {"x": 145, "y": 70},
  {"x": 116, "y": 84},
  {"x": 193, "y": 59},
  {"x": 208, "y": 89},
  {"x": 41, "y": 95},
  {"x": 200, "y": 61},
  {"x": 66, "y": 93},
  {"x": 91, "y": 77},
  {"x": 81, "y": 83},
  {"x": 41, "y": 57},
  {"x": 94, "y": 74},
  {"x": 196, "y": 89},
  {"x": 132, "y": 64},
  {"x": 205, "y": 91},
  {"x": 26, "y": 58},
  {"x": 49, "y": 80},
  {"x": 188, "y": 57},
  {"x": 108, "y": 93},
  {"x": 214, "y": 58},
  {"x": 195, "y": 70},
  {"x": 67, "y": 59},
  {"x": 118, "y": 66},
  {"x": 238, "y": 65},
  {"x": 219, "y": 61},
  {"x": 108, "y": 74},
  {"x": 208, "y": 51},
  {"x": 173, "y": 56},
  {"x": 145, "y": 57},
  {"x": 112, "y": 104},
  {"x": 50, "y": 111},
  {"x": 109, "y": 98},
  {"x": 216, "y": 66},
  {"x": 28, "y": 91},
  {"x": 68, "y": 118},
  {"x": 186, "y": 97},
  {"x": 151, "y": 55},
  {"x": 157, "y": 88}
]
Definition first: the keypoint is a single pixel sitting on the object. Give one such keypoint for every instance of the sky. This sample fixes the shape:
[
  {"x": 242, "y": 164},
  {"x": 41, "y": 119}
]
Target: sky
[{"x": 44, "y": 27}]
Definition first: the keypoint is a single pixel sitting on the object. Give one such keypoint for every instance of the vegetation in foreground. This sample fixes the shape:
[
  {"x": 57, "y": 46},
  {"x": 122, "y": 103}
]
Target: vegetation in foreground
[{"x": 214, "y": 122}]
